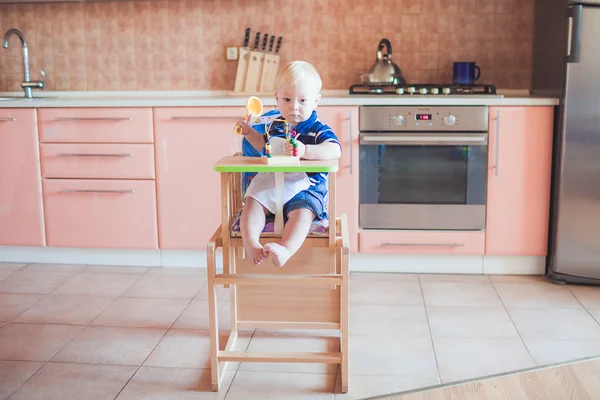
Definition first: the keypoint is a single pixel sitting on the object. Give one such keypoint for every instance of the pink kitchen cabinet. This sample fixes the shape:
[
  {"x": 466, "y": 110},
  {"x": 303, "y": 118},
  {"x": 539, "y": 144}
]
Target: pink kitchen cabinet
[
  {"x": 344, "y": 122},
  {"x": 188, "y": 141},
  {"x": 21, "y": 209},
  {"x": 520, "y": 155}
]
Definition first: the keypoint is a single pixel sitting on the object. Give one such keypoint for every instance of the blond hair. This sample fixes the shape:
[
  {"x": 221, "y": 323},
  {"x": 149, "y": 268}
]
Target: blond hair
[{"x": 297, "y": 71}]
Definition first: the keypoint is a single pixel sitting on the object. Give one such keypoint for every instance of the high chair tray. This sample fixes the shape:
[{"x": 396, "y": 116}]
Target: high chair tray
[{"x": 255, "y": 164}]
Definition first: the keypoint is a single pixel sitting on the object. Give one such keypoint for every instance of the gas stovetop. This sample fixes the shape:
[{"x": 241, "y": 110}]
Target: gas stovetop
[{"x": 423, "y": 89}]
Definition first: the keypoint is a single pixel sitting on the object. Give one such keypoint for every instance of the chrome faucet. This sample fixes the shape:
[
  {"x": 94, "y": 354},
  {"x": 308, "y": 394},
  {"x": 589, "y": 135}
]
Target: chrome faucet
[{"x": 27, "y": 84}]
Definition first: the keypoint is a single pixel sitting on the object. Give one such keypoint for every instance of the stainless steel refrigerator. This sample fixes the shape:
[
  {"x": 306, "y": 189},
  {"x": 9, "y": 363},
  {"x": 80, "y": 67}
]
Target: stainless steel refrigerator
[{"x": 566, "y": 64}]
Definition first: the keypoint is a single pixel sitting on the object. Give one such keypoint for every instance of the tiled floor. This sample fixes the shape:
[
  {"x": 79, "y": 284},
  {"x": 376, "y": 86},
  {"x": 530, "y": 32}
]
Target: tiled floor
[{"x": 77, "y": 332}]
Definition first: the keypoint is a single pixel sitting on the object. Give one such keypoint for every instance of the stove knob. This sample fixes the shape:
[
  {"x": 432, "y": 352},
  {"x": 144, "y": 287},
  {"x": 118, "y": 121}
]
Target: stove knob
[
  {"x": 399, "y": 119},
  {"x": 446, "y": 90},
  {"x": 435, "y": 90},
  {"x": 410, "y": 89},
  {"x": 400, "y": 91},
  {"x": 450, "y": 120},
  {"x": 423, "y": 91}
]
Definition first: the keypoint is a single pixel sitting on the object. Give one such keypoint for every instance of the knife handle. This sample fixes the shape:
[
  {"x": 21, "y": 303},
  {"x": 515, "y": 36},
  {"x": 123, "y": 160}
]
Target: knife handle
[
  {"x": 256, "y": 40},
  {"x": 278, "y": 44},
  {"x": 264, "y": 43},
  {"x": 247, "y": 37},
  {"x": 271, "y": 43}
]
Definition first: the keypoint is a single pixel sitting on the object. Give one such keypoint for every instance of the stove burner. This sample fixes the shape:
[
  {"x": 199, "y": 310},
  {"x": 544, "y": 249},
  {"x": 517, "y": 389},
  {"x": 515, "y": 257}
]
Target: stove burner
[{"x": 423, "y": 89}]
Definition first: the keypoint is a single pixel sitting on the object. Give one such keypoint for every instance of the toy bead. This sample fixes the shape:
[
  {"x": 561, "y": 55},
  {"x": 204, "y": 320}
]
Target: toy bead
[
  {"x": 295, "y": 152},
  {"x": 268, "y": 150}
]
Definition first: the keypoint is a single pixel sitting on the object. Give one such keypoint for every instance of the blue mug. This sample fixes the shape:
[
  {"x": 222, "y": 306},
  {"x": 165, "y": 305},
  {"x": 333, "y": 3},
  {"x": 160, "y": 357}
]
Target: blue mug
[{"x": 464, "y": 73}]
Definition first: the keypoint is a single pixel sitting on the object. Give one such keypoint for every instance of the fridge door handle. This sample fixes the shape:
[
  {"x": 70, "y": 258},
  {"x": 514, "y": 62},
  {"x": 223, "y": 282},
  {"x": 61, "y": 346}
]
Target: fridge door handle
[{"x": 574, "y": 33}]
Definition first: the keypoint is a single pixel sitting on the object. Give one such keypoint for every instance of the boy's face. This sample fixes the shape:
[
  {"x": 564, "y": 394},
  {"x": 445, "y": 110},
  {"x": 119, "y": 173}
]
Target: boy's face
[{"x": 297, "y": 102}]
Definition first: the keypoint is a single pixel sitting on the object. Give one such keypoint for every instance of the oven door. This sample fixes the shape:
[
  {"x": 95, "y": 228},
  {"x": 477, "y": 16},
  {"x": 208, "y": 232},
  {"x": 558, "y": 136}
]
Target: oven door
[{"x": 423, "y": 180}]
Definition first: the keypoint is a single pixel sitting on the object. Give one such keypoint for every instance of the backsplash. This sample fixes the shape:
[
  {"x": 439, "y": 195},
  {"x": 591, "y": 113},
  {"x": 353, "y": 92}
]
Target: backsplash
[{"x": 180, "y": 44}]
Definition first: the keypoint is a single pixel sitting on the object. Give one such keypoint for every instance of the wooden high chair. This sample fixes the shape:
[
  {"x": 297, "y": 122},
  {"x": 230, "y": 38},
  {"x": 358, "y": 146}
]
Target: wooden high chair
[{"x": 309, "y": 292}]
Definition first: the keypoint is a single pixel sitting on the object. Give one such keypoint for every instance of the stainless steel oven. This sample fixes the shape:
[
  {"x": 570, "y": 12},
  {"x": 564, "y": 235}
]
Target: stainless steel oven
[{"x": 423, "y": 167}]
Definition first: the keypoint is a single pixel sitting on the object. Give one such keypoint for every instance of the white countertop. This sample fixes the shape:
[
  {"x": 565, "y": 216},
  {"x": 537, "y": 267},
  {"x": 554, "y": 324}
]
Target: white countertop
[{"x": 224, "y": 98}]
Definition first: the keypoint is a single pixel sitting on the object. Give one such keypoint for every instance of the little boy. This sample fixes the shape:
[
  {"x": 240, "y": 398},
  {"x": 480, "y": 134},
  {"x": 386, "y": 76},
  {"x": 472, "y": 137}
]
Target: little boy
[{"x": 298, "y": 87}]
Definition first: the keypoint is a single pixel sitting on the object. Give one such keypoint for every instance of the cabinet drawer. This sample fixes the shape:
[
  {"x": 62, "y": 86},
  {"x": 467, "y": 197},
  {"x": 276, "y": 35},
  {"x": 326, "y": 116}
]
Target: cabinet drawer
[
  {"x": 421, "y": 242},
  {"x": 100, "y": 213},
  {"x": 96, "y": 125},
  {"x": 112, "y": 161}
]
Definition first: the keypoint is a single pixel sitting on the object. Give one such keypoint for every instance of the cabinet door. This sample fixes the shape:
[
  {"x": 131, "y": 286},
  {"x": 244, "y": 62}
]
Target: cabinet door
[
  {"x": 21, "y": 210},
  {"x": 520, "y": 155},
  {"x": 188, "y": 141},
  {"x": 344, "y": 122}
]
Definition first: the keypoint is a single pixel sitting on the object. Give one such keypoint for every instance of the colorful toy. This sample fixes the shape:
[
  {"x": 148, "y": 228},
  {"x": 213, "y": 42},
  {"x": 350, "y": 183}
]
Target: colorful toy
[{"x": 254, "y": 107}]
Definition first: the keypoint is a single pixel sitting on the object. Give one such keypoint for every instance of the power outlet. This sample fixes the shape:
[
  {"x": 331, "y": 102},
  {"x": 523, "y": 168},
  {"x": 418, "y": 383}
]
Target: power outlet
[{"x": 231, "y": 53}]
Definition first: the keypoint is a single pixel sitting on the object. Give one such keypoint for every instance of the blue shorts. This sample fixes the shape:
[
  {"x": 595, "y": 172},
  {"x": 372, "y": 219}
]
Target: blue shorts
[{"x": 314, "y": 198}]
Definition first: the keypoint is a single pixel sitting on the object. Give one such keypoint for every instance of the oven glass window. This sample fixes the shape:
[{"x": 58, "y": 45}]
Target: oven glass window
[{"x": 423, "y": 174}]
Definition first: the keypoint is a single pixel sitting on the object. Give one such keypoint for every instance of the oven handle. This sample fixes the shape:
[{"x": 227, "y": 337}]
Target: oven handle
[{"x": 429, "y": 139}]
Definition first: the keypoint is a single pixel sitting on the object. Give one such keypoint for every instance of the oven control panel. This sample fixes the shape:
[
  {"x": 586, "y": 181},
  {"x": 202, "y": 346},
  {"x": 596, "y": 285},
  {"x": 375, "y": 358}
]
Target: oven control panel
[{"x": 423, "y": 118}]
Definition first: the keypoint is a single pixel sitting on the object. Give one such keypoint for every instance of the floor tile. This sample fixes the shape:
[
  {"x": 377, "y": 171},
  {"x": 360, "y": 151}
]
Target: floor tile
[
  {"x": 115, "y": 269},
  {"x": 60, "y": 381},
  {"x": 554, "y": 351},
  {"x": 53, "y": 267},
  {"x": 111, "y": 345},
  {"x": 189, "y": 349},
  {"x": 14, "y": 373},
  {"x": 5, "y": 273},
  {"x": 536, "y": 295},
  {"x": 460, "y": 358},
  {"x": 519, "y": 279},
  {"x": 454, "y": 278},
  {"x": 34, "y": 342},
  {"x": 460, "y": 294},
  {"x": 470, "y": 322},
  {"x": 368, "y": 319},
  {"x": 98, "y": 284},
  {"x": 223, "y": 293},
  {"x": 195, "y": 316},
  {"x": 385, "y": 289},
  {"x": 11, "y": 305},
  {"x": 555, "y": 324},
  {"x": 595, "y": 314},
  {"x": 142, "y": 313},
  {"x": 178, "y": 271},
  {"x": 589, "y": 296},
  {"x": 363, "y": 386},
  {"x": 152, "y": 383},
  {"x": 281, "y": 386},
  {"x": 34, "y": 282},
  {"x": 391, "y": 355},
  {"x": 11, "y": 266},
  {"x": 166, "y": 286},
  {"x": 68, "y": 309},
  {"x": 299, "y": 342}
]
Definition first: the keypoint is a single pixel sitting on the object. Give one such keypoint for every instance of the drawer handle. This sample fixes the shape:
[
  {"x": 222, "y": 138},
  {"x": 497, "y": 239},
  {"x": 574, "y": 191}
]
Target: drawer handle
[
  {"x": 8, "y": 119},
  {"x": 422, "y": 245},
  {"x": 95, "y": 191},
  {"x": 193, "y": 117},
  {"x": 92, "y": 119},
  {"x": 93, "y": 155}
]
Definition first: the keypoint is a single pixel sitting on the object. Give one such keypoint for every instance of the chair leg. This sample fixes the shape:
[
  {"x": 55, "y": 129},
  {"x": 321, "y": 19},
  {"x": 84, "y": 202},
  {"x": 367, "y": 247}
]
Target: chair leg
[
  {"x": 344, "y": 304},
  {"x": 212, "y": 314}
]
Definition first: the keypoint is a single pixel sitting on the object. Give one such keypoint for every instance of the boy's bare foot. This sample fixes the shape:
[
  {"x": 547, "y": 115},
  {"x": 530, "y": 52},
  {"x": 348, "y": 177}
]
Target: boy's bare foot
[
  {"x": 280, "y": 253},
  {"x": 255, "y": 253}
]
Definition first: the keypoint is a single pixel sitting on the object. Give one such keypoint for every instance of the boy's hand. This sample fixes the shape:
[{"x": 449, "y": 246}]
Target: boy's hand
[
  {"x": 244, "y": 127},
  {"x": 301, "y": 148}
]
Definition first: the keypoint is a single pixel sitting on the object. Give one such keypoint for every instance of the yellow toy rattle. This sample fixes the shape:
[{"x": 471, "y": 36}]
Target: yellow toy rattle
[{"x": 254, "y": 107}]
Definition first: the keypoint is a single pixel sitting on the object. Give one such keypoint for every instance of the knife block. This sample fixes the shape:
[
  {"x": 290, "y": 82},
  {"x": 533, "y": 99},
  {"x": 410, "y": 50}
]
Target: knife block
[{"x": 256, "y": 73}]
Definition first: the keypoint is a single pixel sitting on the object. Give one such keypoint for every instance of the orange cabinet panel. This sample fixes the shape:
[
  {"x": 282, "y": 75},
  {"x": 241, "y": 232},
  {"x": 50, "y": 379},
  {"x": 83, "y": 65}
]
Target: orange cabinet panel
[
  {"x": 188, "y": 142},
  {"x": 520, "y": 156},
  {"x": 422, "y": 242},
  {"x": 98, "y": 160},
  {"x": 344, "y": 122},
  {"x": 101, "y": 213},
  {"x": 96, "y": 125},
  {"x": 21, "y": 210}
]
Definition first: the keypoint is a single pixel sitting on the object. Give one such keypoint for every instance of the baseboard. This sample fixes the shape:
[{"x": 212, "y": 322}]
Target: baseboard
[{"x": 401, "y": 263}]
